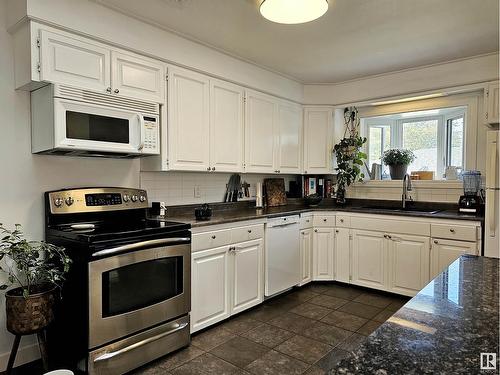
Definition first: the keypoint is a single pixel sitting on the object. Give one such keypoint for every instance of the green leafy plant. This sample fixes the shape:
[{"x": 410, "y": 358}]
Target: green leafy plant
[
  {"x": 30, "y": 263},
  {"x": 348, "y": 152},
  {"x": 396, "y": 156}
]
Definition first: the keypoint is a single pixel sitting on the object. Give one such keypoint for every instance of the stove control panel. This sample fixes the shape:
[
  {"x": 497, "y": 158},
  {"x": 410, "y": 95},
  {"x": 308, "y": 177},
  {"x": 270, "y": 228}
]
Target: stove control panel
[{"x": 96, "y": 200}]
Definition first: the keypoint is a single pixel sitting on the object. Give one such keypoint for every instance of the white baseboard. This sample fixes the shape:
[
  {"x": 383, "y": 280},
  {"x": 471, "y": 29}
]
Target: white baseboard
[{"x": 24, "y": 355}]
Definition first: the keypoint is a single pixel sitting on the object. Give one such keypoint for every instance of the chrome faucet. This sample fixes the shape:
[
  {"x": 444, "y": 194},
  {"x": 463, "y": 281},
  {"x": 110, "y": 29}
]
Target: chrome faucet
[{"x": 406, "y": 188}]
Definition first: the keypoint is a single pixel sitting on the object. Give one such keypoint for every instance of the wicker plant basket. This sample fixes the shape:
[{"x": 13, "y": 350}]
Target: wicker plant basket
[{"x": 30, "y": 315}]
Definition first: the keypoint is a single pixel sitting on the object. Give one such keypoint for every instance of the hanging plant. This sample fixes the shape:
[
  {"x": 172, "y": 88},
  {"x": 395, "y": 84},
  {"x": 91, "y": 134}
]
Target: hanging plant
[{"x": 348, "y": 154}]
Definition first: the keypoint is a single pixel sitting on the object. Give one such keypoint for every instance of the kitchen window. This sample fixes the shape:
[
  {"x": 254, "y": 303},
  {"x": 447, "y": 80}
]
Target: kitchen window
[{"x": 435, "y": 136}]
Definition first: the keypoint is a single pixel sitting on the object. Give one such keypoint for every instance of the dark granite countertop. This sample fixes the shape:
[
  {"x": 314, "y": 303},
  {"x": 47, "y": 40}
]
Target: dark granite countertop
[
  {"x": 241, "y": 211},
  {"x": 442, "y": 330}
]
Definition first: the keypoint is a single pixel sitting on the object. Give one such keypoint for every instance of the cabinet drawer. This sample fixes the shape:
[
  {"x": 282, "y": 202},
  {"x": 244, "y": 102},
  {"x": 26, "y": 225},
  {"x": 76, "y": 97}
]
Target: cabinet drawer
[
  {"x": 324, "y": 221},
  {"x": 342, "y": 221},
  {"x": 247, "y": 233},
  {"x": 454, "y": 232},
  {"x": 210, "y": 240},
  {"x": 306, "y": 222}
]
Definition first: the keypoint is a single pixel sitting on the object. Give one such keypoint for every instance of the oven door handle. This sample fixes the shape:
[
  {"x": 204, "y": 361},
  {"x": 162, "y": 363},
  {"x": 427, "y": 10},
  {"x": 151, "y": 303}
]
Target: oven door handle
[
  {"x": 138, "y": 344},
  {"x": 142, "y": 244}
]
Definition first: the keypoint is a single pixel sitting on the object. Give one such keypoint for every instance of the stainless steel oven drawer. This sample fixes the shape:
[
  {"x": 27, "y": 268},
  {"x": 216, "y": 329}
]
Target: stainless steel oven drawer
[{"x": 132, "y": 352}]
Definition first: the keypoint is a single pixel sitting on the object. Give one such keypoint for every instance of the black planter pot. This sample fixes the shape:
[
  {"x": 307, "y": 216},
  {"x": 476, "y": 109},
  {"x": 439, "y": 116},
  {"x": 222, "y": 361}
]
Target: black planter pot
[{"x": 398, "y": 171}]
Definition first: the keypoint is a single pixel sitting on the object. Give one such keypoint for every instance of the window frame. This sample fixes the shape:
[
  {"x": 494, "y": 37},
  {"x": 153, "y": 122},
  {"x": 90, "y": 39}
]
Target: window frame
[{"x": 443, "y": 136}]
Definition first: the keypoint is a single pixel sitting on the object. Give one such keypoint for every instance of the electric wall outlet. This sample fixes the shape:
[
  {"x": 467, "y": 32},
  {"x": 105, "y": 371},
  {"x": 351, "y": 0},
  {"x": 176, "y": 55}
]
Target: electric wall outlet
[{"x": 197, "y": 191}]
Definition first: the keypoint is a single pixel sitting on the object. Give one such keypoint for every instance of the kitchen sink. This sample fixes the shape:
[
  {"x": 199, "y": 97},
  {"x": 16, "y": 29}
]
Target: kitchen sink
[{"x": 401, "y": 209}]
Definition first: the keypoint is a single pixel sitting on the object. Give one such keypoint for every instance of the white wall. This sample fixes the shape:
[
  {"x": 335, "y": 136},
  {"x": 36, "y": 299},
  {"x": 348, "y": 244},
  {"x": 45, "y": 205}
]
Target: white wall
[
  {"x": 407, "y": 82},
  {"x": 24, "y": 177},
  {"x": 176, "y": 188},
  {"x": 110, "y": 26}
]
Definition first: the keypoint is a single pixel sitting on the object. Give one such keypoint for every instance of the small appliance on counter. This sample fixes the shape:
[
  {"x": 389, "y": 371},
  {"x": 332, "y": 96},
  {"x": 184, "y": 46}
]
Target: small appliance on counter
[
  {"x": 471, "y": 201},
  {"x": 203, "y": 213}
]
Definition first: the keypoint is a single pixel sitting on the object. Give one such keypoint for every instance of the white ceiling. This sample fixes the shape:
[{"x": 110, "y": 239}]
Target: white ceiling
[{"x": 355, "y": 38}]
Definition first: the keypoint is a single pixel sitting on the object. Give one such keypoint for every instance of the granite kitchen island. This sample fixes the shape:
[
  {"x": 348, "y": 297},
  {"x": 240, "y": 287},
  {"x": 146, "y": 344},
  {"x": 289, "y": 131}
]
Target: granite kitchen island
[{"x": 442, "y": 330}]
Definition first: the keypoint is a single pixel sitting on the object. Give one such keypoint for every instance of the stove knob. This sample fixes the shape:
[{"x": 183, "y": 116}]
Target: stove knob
[
  {"x": 58, "y": 202},
  {"x": 142, "y": 198},
  {"x": 125, "y": 198},
  {"x": 134, "y": 198},
  {"x": 69, "y": 201}
]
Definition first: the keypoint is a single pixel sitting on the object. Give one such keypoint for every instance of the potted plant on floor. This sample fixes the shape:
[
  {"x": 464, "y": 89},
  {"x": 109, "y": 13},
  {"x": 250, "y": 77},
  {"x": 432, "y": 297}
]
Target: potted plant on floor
[
  {"x": 37, "y": 268},
  {"x": 348, "y": 154},
  {"x": 398, "y": 161}
]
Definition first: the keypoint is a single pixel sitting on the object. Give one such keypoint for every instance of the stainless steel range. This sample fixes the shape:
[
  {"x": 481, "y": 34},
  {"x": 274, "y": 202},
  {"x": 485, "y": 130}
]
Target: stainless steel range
[{"x": 126, "y": 300}]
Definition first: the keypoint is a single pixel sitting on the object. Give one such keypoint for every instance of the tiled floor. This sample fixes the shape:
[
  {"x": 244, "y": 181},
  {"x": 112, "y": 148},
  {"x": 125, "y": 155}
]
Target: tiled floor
[{"x": 306, "y": 331}]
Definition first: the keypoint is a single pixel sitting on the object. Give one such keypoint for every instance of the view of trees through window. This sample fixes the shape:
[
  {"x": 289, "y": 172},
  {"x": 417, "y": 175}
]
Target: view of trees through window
[{"x": 435, "y": 136}]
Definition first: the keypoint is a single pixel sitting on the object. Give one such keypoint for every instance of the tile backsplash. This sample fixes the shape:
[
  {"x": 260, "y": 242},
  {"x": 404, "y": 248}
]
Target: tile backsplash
[{"x": 176, "y": 188}]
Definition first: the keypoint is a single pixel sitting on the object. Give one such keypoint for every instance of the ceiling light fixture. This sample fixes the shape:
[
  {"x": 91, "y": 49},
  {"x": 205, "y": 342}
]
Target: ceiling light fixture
[{"x": 293, "y": 11}]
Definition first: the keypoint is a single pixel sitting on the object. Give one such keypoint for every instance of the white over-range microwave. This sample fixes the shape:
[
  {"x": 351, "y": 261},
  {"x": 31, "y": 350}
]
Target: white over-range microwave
[{"x": 77, "y": 122}]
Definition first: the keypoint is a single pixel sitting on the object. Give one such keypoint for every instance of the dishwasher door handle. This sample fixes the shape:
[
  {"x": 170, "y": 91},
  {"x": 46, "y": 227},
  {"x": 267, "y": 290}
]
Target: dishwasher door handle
[{"x": 283, "y": 225}]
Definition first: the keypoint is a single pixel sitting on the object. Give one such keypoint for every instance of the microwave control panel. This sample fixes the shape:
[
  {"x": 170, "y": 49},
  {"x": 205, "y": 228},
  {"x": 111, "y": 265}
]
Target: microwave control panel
[{"x": 151, "y": 135}]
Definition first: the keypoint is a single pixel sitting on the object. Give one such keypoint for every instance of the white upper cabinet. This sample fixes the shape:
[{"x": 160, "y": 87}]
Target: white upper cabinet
[
  {"x": 138, "y": 77},
  {"x": 408, "y": 263},
  {"x": 289, "y": 158},
  {"x": 260, "y": 132},
  {"x": 72, "y": 61},
  {"x": 188, "y": 120},
  {"x": 318, "y": 140},
  {"x": 226, "y": 127},
  {"x": 492, "y": 103}
]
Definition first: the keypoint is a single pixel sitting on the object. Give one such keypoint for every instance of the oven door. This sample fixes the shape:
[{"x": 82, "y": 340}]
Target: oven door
[
  {"x": 90, "y": 127},
  {"x": 136, "y": 290}
]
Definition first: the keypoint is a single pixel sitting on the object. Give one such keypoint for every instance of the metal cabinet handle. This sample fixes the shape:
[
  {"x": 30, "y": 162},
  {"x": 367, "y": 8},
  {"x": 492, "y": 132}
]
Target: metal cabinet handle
[
  {"x": 106, "y": 356},
  {"x": 336, "y": 230},
  {"x": 116, "y": 91},
  {"x": 341, "y": 220},
  {"x": 305, "y": 172},
  {"x": 108, "y": 89},
  {"x": 249, "y": 231},
  {"x": 214, "y": 237},
  {"x": 452, "y": 230},
  {"x": 436, "y": 241},
  {"x": 213, "y": 168},
  {"x": 307, "y": 220},
  {"x": 208, "y": 168},
  {"x": 324, "y": 220},
  {"x": 316, "y": 230}
]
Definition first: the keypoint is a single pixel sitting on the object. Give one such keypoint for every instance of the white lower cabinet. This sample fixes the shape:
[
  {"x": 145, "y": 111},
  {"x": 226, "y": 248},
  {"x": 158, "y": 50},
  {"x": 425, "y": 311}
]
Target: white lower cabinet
[
  {"x": 445, "y": 252},
  {"x": 342, "y": 255},
  {"x": 323, "y": 253},
  {"x": 408, "y": 263},
  {"x": 247, "y": 266},
  {"x": 306, "y": 241},
  {"x": 209, "y": 287},
  {"x": 225, "y": 281},
  {"x": 369, "y": 259}
]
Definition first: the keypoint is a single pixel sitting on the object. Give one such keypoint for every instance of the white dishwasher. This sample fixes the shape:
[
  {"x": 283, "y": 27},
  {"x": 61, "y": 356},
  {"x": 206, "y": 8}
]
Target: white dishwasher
[{"x": 282, "y": 254}]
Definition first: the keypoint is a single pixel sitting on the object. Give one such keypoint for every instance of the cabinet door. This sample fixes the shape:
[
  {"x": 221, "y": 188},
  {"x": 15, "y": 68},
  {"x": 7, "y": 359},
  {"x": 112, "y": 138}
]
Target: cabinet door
[
  {"x": 342, "y": 255},
  {"x": 493, "y": 104},
  {"x": 138, "y": 77},
  {"x": 247, "y": 285},
  {"x": 408, "y": 263},
  {"x": 226, "y": 127},
  {"x": 188, "y": 120},
  {"x": 318, "y": 139},
  {"x": 306, "y": 241},
  {"x": 260, "y": 133},
  {"x": 209, "y": 287},
  {"x": 369, "y": 259},
  {"x": 445, "y": 252},
  {"x": 74, "y": 62},
  {"x": 323, "y": 251},
  {"x": 289, "y": 158}
]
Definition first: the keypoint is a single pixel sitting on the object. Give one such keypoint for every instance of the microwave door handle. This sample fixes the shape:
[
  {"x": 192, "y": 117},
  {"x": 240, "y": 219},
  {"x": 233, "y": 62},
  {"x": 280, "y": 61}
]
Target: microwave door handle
[
  {"x": 107, "y": 356},
  {"x": 142, "y": 244},
  {"x": 141, "y": 132}
]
